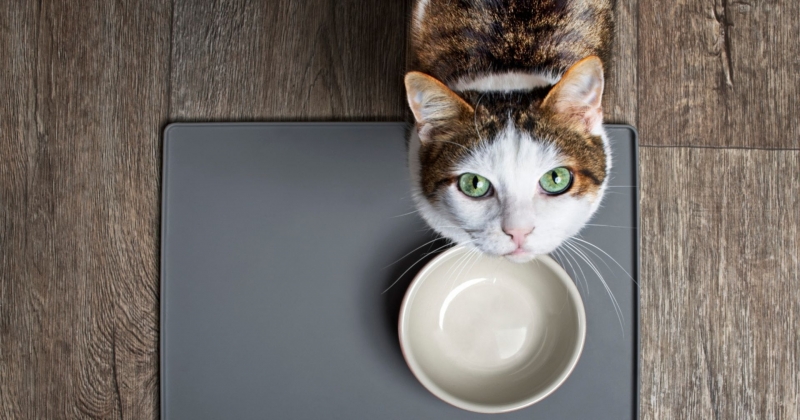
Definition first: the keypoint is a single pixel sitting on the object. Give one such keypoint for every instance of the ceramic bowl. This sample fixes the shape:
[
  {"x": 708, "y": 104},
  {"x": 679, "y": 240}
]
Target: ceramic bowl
[{"x": 489, "y": 335}]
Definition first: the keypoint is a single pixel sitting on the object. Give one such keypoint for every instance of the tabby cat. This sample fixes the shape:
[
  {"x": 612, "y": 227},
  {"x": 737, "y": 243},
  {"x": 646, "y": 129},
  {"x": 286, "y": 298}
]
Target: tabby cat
[{"x": 508, "y": 153}]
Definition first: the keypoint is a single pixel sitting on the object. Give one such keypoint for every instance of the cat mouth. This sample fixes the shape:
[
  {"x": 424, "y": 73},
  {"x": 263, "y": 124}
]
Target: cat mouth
[{"x": 519, "y": 256}]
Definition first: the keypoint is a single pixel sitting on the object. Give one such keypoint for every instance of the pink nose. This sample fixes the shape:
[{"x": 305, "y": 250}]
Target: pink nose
[{"x": 518, "y": 235}]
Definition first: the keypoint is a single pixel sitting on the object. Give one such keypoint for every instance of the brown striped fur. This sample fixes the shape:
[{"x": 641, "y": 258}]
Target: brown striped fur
[
  {"x": 471, "y": 37},
  {"x": 467, "y": 38}
]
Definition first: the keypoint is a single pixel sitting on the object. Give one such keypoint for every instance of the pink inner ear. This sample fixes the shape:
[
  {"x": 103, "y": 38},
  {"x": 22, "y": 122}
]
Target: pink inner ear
[
  {"x": 431, "y": 100},
  {"x": 578, "y": 95},
  {"x": 593, "y": 99},
  {"x": 578, "y": 111},
  {"x": 424, "y": 131},
  {"x": 593, "y": 118}
]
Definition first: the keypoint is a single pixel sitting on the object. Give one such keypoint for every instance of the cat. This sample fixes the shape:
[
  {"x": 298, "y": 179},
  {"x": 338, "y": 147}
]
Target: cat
[{"x": 508, "y": 152}]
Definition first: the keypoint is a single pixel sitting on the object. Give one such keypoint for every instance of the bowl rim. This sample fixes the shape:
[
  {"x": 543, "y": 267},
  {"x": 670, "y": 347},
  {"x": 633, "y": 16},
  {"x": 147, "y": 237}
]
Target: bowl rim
[{"x": 445, "y": 396}]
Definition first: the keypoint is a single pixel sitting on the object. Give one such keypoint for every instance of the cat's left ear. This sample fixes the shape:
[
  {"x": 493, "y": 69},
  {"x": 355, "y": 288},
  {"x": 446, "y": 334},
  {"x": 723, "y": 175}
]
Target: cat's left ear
[
  {"x": 434, "y": 105},
  {"x": 576, "y": 97}
]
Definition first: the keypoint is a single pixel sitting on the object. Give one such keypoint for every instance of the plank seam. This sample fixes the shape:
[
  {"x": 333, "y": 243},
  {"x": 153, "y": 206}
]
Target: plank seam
[
  {"x": 667, "y": 146},
  {"x": 171, "y": 57}
]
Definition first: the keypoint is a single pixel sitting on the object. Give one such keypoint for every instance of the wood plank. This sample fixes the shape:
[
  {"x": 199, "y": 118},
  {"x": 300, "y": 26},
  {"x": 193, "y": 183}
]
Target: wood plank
[
  {"x": 288, "y": 60},
  {"x": 85, "y": 93},
  {"x": 719, "y": 73},
  {"x": 620, "y": 99},
  {"x": 83, "y": 101},
  {"x": 720, "y": 321},
  {"x": 17, "y": 129}
]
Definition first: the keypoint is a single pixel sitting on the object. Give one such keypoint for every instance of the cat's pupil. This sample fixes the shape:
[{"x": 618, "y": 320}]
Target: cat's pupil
[
  {"x": 475, "y": 182},
  {"x": 556, "y": 178}
]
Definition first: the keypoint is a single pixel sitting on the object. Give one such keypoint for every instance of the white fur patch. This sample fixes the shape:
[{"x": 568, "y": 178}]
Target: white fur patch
[
  {"x": 600, "y": 131},
  {"x": 437, "y": 218},
  {"x": 419, "y": 12},
  {"x": 505, "y": 82}
]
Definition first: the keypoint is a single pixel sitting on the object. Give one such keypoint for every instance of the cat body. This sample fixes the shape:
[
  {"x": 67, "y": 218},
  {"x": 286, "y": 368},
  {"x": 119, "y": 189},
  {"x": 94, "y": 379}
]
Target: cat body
[{"x": 508, "y": 152}]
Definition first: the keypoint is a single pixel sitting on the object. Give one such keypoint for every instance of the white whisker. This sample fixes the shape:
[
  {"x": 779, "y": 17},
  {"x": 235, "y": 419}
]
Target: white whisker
[
  {"x": 478, "y": 254},
  {"x": 587, "y": 249},
  {"x": 609, "y": 256},
  {"x": 571, "y": 267},
  {"x": 585, "y": 281},
  {"x": 450, "y": 142},
  {"x": 617, "y": 307},
  {"x": 412, "y": 251},
  {"x": 470, "y": 254},
  {"x": 455, "y": 266},
  {"x": 611, "y": 226},
  {"x": 412, "y": 266},
  {"x": 580, "y": 268},
  {"x": 404, "y": 214},
  {"x": 459, "y": 265}
]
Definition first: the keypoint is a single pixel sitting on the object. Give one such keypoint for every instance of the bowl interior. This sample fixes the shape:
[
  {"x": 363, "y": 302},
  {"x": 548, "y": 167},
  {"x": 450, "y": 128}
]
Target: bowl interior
[{"x": 489, "y": 335}]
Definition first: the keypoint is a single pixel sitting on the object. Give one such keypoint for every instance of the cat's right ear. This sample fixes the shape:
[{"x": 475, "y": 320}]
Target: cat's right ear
[
  {"x": 433, "y": 103},
  {"x": 576, "y": 98}
]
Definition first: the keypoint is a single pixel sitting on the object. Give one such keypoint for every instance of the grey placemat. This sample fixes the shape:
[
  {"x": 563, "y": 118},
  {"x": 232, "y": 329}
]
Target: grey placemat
[{"x": 274, "y": 246}]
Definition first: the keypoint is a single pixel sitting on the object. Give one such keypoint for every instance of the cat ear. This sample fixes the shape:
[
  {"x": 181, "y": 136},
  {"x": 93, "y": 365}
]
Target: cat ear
[
  {"x": 576, "y": 97},
  {"x": 433, "y": 103}
]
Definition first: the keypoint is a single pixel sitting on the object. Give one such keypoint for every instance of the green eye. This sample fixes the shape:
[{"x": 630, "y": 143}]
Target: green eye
[
  {"x": 474, "y": 185},
  {"x": 556, "y": 181}
]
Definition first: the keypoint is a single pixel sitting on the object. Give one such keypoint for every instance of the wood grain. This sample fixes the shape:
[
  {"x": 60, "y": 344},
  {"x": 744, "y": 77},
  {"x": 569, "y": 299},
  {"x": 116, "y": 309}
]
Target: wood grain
[
  {"x": 83, "y": 101},
  {"x": 89, "y": 89},
  {"x": 620, "y": 99},
  {"x": 288, "y": 60},
  {"x": 720, "y": 313},
  {"x": 719, "y": 73},
  {"x": 88, "y": 86}
]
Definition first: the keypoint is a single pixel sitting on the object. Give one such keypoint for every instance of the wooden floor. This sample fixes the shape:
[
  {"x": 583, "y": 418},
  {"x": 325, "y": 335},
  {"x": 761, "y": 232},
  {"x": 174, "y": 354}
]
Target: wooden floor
[{"x": 87, "y": 87}]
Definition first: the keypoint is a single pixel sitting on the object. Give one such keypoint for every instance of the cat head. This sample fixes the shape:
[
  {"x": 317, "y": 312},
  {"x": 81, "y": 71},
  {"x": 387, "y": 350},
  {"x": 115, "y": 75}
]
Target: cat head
[{"x": 511, "y": 173}]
